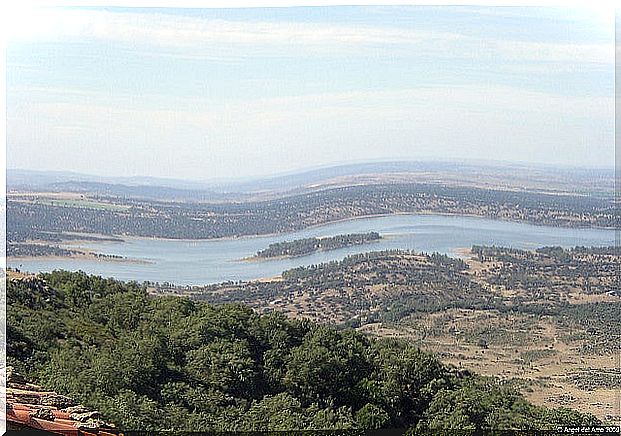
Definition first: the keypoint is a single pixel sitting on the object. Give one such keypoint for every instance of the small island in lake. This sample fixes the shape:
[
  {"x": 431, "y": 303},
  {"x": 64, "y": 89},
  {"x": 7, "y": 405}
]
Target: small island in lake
[{"x": 302, "y": 247}]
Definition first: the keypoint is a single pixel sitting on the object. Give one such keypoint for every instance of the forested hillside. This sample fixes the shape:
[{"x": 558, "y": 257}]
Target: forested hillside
[
  {"x": 154, "y": 363},
  {"x": 42, "y": 218}
]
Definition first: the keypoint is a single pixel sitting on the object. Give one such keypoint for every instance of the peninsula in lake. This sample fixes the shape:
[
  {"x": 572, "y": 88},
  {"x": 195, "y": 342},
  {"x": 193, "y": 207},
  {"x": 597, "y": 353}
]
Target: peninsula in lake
[{"x": 305, "y": 246}]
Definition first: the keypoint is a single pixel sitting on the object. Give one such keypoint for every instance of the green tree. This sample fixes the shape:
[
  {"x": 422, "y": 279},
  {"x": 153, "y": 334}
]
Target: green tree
[{"x": 372, "y": 417}]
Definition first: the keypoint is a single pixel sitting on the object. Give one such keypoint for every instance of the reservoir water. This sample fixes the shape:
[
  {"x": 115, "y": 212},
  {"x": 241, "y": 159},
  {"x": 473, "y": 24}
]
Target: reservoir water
[{"x": 211, "y": 261}]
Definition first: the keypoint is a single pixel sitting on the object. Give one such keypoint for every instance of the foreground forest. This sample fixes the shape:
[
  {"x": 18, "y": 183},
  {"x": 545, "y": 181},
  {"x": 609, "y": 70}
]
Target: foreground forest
[
  {"x": 548, "y": 319},
  {"x": 154, "y": 363}
]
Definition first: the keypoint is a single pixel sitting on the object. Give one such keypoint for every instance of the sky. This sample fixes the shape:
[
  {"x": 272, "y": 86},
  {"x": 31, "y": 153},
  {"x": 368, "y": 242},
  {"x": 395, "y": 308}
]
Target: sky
[{"x": 227, "y": 93}]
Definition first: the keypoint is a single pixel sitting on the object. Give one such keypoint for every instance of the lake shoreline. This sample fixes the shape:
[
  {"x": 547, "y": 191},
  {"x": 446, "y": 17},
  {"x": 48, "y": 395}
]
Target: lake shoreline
[
  {"x": 123, "y": 238},
  {"x": 212, "y": 261}
]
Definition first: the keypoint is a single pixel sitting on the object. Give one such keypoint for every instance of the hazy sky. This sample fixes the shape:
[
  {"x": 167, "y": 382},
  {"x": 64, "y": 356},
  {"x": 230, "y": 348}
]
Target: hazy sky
[{"x": 191, "y": 93}]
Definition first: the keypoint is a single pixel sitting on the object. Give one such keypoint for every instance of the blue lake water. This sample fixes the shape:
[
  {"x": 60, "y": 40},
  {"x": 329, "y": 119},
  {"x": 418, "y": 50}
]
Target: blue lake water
[{"x": 211, "y": 261}]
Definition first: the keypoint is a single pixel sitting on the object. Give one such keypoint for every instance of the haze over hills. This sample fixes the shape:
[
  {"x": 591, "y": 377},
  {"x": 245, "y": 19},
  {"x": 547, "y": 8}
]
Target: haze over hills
[
  {"x": 598, "y": 182},
  {"x": 344, "y": 218}
]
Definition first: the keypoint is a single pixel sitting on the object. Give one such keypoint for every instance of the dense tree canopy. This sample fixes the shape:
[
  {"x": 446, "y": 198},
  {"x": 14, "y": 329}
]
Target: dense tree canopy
[{"x": 156, "y": 363}]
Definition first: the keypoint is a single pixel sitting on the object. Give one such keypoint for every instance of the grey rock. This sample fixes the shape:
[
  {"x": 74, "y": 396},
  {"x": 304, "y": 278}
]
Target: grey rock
[
  {"x": 85, "y": 416},
  {"x": 56, "y": 400},
  {"x": 43, "y": 413}
]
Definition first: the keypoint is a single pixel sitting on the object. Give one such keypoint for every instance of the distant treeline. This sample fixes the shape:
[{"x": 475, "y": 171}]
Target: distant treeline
[
  {"x": 41, "y": 250},
  {"x": 35, "y": 250},
  {"x": 206, "y": 221},
  {"x": 300, "y": 247},
  {"x": 22, "y": 234}
]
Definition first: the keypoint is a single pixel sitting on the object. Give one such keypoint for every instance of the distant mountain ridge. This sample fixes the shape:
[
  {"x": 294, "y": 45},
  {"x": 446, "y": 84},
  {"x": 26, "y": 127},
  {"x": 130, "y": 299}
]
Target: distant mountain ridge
[{"x": 511, "y": 176}]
